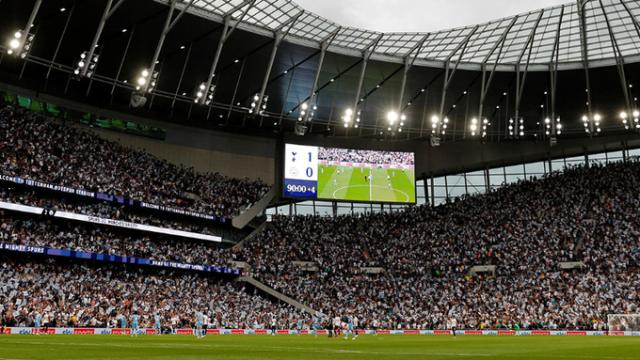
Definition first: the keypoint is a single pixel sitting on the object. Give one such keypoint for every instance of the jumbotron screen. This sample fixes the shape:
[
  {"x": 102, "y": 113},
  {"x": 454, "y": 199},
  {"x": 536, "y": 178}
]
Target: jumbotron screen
[{"x": 313, "y": 172}]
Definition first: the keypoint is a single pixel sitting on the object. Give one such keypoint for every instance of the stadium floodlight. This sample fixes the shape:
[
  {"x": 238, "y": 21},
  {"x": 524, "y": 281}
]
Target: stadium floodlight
[
  {"x": 392, "y": 117},
  {"x": 485, "y": 125},
  {"x": 303, "y": 111},
  {"x": 436, "y": 123},
  {"x": 254, "y": 104},
  {"x": 348, "y": 118},
  {"x": 307, "y": 112},
  {"x": 624, "y": 117},
  {"x": 547, "y": 126},
  {"x": 86, "y": 67},
  {"x": 592, "y": 122},
  {"x": 395, "y": 121},
  {"x": 636, "y": 119},
  {"x": 558, "y": 126},
  {"x": 19, "y": 44},
  {"x": 204, "y": 97},
  {"x": 474, "y": 126},
  {"x": 146, "y": 82},
  {"x": 597, "y": 118}
]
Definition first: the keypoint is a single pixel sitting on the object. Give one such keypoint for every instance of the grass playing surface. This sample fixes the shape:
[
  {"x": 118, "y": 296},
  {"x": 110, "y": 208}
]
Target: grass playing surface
[
  {"x": 352, "y": 184},
  {"x": 52, "y": 347}
]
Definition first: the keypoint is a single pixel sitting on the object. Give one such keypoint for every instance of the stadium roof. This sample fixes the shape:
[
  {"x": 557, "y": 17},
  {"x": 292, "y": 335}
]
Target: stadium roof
[
  {"x": 506, "y": 41},
  {"x": 296, "y": 72}
]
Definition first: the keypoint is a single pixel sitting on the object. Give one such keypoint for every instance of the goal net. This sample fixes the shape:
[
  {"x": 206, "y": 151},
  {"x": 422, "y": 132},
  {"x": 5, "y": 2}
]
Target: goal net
[{"x": 624, "y": 322}]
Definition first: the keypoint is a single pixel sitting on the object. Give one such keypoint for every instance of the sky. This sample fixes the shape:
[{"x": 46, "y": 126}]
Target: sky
[{"x": 419, "y": 15}]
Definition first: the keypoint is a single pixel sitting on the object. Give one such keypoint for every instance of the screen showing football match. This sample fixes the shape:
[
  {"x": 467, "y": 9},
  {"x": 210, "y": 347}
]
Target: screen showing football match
[{"x": 323, "y": 173}]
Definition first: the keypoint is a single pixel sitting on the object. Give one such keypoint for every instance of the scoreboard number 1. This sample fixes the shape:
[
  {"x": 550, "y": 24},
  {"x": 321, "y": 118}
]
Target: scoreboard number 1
[{"x": 301, "y": 171}]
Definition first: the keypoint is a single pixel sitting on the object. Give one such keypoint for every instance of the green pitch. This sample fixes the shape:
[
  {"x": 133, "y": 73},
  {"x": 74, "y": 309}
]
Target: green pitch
[
  {"x": 353, "y": 184},
  {"x": 230, "y": 347}
]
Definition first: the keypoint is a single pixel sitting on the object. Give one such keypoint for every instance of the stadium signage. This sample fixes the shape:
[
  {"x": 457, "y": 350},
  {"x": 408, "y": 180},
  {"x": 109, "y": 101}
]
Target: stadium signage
[
  {"x": 108, "y": 198},
  {"x": 188, "y": 331},
  {"x": 109, "y": 222},
  {"x": 116, "y": 259}
]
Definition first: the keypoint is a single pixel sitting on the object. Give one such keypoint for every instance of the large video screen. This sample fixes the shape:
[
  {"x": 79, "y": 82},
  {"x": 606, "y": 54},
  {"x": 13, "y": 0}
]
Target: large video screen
[{"x": 312, "y": 172}]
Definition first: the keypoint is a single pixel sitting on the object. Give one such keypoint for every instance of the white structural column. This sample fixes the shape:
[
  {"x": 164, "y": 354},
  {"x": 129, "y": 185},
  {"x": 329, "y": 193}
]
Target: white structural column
[
  {"x": 229, "y": 27},
  {"x": 521, "y": 74},
  {"x": 619, "y": 61},
  {"x": 279, "y": 34},
  {"x": 409, "y": 59},
  {"x": 553, "y": 72},
  {"x": 324, "y": 45},
  {"x": 366, "y": 55},
  {"x": 585, "y": 61},
  {"x": 486, "y": 82},
  {"x": 448, "y": 77},
  {"x": 169, "y": 24},
  {"x": 109, "y": 10}
]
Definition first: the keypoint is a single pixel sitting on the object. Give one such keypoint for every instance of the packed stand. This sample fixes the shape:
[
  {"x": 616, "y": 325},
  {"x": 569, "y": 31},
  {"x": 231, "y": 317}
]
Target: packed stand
[
  {"x": 60, "y": 234},
  {"x": 526, "y": 230},
  {"x": 110, "y": 211},
  {"x": 368, "y": 157},
  {"x": 75, "y": 295},
  {"x": 35, "y": 147}
]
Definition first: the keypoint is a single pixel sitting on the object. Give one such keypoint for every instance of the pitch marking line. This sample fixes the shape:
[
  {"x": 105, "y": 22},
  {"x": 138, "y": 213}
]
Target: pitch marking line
[
  {"x": 371, "y": 186},
  {"x": 261, "y": 348}
]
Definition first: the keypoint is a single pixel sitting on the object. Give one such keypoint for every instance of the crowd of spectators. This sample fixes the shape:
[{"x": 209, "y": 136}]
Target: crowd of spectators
[
  {"x": 35, "y": 147},
  {"x": 369, "y": 157},
  {"x": 406, "y": 269},
  {"x": 61, "y": 234},
  {"x": 75, "y": 295},
  {"x": 526, "y": 230},
  {"x": 102, "y": 210}
]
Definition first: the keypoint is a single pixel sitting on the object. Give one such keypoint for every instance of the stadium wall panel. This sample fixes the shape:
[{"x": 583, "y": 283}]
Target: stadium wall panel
[{"x": 208, "y": 151}]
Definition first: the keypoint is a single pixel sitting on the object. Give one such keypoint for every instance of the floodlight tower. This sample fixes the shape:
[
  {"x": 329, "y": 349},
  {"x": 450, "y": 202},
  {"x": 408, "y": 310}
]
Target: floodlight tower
[
  {"x": 88, "y": 59},
  {"x": 21, "y": 41},
  {"x": 207, "y": 88},
  {"x": 353, "y": 113}
]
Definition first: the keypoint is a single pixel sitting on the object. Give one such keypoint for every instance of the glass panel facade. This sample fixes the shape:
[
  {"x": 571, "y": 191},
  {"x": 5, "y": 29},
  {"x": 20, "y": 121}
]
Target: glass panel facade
[
  {"x": 476, "y": 182},
  {"x": 535, "y": 169},
  {"x": 598, "y": 158},
  {"x": 511, "y": 33},
  {"x": 614, "y": 156}
]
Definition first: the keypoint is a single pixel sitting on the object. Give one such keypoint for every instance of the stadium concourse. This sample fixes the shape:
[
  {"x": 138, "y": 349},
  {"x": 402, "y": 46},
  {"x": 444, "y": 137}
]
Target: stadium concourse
[{"x": 392, "y": 271}]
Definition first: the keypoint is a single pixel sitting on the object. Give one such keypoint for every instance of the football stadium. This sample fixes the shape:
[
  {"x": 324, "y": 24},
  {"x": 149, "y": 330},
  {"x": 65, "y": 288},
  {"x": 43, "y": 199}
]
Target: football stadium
[{"x": 335, "y": 179}]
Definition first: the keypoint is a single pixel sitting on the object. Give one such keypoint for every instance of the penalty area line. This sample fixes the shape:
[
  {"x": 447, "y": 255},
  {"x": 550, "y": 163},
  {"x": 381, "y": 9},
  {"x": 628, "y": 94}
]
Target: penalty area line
[{"x": 370, "y": 187}]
